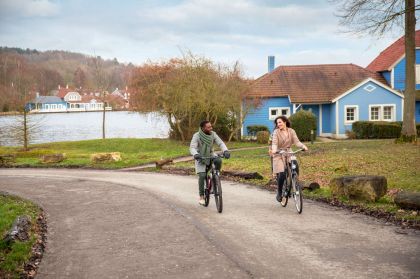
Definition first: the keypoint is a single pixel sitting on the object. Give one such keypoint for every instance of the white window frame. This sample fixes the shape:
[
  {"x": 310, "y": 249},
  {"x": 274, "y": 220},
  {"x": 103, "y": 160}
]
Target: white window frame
[
  {"x": 381, "y": 112},
  {"x": 356, "y": 114},
  {"x": 417, "y": 73},
  {"x": 278, "y": 109}
]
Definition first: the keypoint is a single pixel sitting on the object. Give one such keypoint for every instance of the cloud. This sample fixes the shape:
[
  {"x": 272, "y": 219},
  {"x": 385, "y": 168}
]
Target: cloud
[
  {"x": 239, "y": 17},
  {"x": 28, "y": 8}
]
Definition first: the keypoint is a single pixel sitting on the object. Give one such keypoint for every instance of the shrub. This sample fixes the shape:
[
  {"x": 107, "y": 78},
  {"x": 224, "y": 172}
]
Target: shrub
[
  {"x": 376, "y": 130},
  {"x": 303, "y": 122},
  {"x": 383, "y": 130},
  {"x": 254, "y": 129},
  {"x": 350, "y": 134},
  {"x": 363, "y": 129},
  {"x": 263, "y": 137},
  {"x": 418, "y": 130}
]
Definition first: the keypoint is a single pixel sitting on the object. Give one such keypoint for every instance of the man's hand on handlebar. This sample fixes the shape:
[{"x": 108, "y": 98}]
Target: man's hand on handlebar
[{"x": 226, "y": 154}]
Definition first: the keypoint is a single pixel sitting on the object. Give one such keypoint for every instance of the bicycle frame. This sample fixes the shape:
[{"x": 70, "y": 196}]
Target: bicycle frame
[
  {"x": 212, "y": 176},
  {"x": 291, "y": 184}
]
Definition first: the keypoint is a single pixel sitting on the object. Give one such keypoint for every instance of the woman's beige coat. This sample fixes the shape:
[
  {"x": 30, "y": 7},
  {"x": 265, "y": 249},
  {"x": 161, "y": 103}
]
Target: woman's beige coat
[{"x": 283, "y": 139}]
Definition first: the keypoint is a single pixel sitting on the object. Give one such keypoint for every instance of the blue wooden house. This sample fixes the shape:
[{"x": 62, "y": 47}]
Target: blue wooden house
[
  {"x": 47, "y": 104},
  {"x": 338, "y": 94},
  {"x": 390, "y": 63}
]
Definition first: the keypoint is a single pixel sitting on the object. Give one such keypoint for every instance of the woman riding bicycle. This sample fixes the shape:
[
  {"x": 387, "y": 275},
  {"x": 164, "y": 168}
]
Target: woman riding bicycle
[{"x": 283, "y": 138}]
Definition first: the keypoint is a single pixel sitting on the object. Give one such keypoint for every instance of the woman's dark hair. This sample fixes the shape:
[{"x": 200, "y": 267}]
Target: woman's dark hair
[
  {"x": 203, "y": 123},
  {"x": 284, "y": 119}
]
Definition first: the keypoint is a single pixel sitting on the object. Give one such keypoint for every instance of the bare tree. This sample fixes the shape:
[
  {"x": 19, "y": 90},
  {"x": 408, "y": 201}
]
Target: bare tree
[
  {"x": 24, "y": 126},
  {"x": 102, "y": 81},
  {"x": 189, "y": 90},
  {"x": 377, "y": 17}
]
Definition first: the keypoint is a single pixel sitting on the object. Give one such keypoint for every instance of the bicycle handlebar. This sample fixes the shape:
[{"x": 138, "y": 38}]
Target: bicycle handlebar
[
  {"x": 214, "y": 157},
  {"x": 282, "y": 152}
]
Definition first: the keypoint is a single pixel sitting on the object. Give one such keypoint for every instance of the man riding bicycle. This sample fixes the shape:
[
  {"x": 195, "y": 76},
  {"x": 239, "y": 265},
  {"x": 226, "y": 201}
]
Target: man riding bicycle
[{"x": 201, "y": 147}]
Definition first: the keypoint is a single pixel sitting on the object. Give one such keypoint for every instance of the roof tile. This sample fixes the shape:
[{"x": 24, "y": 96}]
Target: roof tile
[
  {"x": 391, "y": 54},
  {"x": 311, "y": 83}
]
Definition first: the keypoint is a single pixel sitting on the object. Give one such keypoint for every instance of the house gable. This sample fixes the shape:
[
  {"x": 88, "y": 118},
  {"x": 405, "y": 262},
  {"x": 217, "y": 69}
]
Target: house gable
[
  {"x": 398, "y": 72},
  {"x": 366, "y": 81},
  {"x": 72, "y": 96},
  {"x": 359, "y": 102}
]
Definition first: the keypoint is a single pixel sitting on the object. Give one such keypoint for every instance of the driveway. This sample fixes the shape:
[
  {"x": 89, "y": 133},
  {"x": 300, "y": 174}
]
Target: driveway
[{"x": 109, "y": 224}]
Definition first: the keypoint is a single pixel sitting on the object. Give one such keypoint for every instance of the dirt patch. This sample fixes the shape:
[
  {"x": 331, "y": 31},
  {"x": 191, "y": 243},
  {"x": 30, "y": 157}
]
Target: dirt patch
[{"x": 31, "y": 267}]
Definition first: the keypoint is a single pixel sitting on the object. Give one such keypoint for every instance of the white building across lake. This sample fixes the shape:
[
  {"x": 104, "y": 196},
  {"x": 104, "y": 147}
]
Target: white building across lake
[{"x": 70, "y": 100}]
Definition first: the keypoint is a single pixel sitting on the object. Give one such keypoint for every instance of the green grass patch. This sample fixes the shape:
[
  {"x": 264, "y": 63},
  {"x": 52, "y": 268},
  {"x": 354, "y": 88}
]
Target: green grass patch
[
  {"x": 13, "y": 257},
  {"x": 399, "y": 163},
  {"x": 134, "y": 152}
]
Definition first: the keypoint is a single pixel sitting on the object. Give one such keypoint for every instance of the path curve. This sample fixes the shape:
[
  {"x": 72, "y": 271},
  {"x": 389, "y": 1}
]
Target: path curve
[{"x": 108, "y": 224}]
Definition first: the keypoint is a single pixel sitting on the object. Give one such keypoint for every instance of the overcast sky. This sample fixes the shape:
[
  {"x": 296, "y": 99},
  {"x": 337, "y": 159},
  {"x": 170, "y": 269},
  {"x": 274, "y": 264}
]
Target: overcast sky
[{"x": 295, "y": 32}]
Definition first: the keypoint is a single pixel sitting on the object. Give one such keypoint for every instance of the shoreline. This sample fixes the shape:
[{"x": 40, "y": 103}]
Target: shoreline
[{"x": 8, "y": 113}]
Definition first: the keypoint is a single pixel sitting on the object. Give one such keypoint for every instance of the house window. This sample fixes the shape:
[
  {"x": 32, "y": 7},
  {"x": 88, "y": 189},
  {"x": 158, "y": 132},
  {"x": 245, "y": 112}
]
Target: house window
[
  {"x": 351, "y": 114},
  {"x": 278, "y": 111},
  {"x": 417, "y": 74},
  {"x": 382, "y": 113},
  {"x": 387, "y": 113},
  {"x": 374, "y": 113}
]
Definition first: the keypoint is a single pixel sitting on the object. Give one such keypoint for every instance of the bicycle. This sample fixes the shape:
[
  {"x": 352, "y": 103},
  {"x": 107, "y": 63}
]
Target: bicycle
[
  {"x": 291, "y": 187},
  {"x": 213, "y": 185}
]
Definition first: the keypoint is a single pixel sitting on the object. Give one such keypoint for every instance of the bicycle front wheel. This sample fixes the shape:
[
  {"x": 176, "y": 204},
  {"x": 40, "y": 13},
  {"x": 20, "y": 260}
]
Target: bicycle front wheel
[
  {"x": 285, "y": 194},
  {"x": 297, "y": 195},
  {"x": 207, "y": 192},
  {"x": 217, "y": 186}
]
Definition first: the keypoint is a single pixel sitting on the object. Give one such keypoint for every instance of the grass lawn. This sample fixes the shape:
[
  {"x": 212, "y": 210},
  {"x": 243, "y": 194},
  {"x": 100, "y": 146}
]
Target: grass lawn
[
  {"x": 399, "y": 163},
  {"x": 13, "y": 257},
  {"x": 133, "y": 152}
]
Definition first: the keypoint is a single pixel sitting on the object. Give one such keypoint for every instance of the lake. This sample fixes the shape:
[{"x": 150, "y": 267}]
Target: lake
[{"x": 74, "y": 126}]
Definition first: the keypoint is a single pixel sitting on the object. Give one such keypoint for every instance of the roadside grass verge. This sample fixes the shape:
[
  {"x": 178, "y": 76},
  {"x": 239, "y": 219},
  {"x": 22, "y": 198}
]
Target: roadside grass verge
[
  {"x": 14, "y": 256},
  {"x": 133, "y": 152}
]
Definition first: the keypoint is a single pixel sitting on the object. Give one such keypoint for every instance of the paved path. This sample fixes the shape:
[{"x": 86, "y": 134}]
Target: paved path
[{"x": 107, "y": 224}]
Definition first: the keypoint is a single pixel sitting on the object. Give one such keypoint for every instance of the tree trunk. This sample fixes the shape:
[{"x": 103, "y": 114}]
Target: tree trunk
[
  {"x": 181, "y": 133},
  {"x": 25, "y": 130},
  {"x": 408, "y": 132},
  {"x": 103, "y": 122}
]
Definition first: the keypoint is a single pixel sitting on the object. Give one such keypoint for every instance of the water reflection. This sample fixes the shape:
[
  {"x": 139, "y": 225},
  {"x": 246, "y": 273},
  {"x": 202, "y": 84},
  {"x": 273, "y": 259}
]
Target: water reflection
[{"x": 85, "y": 125}]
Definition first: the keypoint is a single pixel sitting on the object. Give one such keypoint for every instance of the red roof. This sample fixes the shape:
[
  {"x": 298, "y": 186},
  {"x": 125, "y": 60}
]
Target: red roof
[
  {"x": 391, "y": 54},
  {"x": 62, "y": 92},
  {"x": 311, "y": 83}
]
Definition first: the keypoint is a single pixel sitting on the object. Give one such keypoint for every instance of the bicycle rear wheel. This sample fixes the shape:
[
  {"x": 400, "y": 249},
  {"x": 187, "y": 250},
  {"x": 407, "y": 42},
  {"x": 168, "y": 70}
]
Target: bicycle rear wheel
[
  {"x": 297, "y": 194},
  {"x": 217, "y": 186},
  {"x": 286, "y": 189},
  {"x": 207, "y": 192}
]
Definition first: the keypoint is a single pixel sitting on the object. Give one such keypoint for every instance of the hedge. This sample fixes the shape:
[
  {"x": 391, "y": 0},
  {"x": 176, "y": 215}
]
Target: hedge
[
  {"x": 376, "y": 129},
  {"x": 254, "y": 129},
  {"x": 303, "y": 122}
]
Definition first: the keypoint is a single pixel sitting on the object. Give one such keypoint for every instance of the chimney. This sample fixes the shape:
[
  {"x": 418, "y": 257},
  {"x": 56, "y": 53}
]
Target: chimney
[
  {"x": 59, "y": 87},
  {"x": 67, "y": 86},
  {"x": 37, "y": 94},
  {"x": 271, "y": 63}
]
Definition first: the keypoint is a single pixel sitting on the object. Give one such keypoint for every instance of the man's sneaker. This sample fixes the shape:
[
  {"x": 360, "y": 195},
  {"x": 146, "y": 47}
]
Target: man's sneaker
[{"x": 202, "y": 201}]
